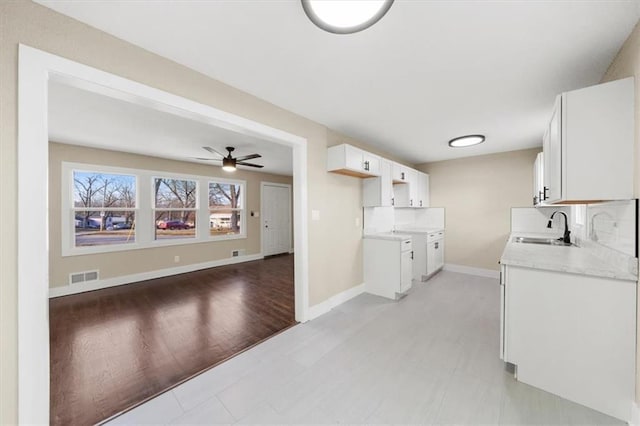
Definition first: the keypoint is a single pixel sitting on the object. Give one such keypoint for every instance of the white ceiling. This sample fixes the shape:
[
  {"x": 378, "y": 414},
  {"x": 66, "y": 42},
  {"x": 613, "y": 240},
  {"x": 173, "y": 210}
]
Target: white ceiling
[
  {"x": 82, "y": 117},
  {"x": 427, "y": 72}
]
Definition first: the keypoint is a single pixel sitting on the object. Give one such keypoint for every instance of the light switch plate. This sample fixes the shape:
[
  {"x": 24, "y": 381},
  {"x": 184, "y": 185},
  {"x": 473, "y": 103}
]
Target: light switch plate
[{"x": 315, "y": 214}]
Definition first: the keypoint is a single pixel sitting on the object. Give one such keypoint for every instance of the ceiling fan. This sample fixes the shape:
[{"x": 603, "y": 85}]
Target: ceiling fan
[{"x": 229, "y": 163}]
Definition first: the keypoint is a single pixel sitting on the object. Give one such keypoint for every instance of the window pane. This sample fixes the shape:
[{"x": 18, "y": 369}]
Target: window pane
[
  {"x": 175, "y": 224},
  {"x": 93, "y": 189},
  {"x": 225, "y": 195},
  {"x": 99, "y": 228},
  {"x": 225, "y": 222},
  {"x": 175, "y": 193}
]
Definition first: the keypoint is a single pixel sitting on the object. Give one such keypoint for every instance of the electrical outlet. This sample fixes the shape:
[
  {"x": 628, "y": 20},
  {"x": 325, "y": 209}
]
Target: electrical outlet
[{"x": 176, "y": 259}]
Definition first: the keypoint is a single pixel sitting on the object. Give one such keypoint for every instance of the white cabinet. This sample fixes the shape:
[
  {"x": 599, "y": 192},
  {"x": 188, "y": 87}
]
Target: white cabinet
[
  {"x": 589, "y": 143},
  {"x": 423, "y": 190},
  {"x": 352, "y": 161},
  {"x": 400, "y": 173},
  {"x": 388, "y": 266},
  {"x": 378, "y": 191},
  {"x": 406, "y": 194},
  {"x": 572, "y": 335},
  {"x": 538, "y": 179},
  {"x": 435, "y": 252}
]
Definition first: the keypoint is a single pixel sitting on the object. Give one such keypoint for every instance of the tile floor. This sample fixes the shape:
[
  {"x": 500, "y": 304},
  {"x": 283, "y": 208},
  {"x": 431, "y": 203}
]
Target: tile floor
[{"x": 431, "y": 358}]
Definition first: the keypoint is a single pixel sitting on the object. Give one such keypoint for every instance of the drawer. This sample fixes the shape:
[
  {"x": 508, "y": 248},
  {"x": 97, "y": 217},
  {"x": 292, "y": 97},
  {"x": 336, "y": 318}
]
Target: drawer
[
  {"x": 406, "y": 245},
  {"x": 433, "y": 236}
]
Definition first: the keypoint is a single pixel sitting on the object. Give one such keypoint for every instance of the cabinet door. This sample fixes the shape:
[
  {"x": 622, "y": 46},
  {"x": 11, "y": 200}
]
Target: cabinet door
[
  {"x": 552, "y": 190},
  {"x": 370, "y": 163},
  {"x": 431, "y": 257},
  {"x": 400, "y": 173},
  {"x": 378, "y": 191},
  {"x": 439, "y": 254},
  {"x": 406, "y": 271},
  {"x": 353, "y": 157},
  {"x": 423, "y": 190},
  {"x": 413, "y": 182}
]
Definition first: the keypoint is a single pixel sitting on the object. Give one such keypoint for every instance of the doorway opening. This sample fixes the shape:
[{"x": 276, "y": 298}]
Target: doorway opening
[{"x": 36, "y": 68}]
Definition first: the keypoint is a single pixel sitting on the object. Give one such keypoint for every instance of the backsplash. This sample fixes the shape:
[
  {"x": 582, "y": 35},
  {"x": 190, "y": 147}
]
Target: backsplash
[
  {"x": 385, "y": 219},
  {"x": 613, "y": 225}
]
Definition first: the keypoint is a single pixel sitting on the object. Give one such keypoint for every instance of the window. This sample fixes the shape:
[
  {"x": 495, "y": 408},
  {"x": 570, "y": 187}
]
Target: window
[
  {"x": 226, "y": 214},
  {"x": 175, "y": 208},
  {"x": 108, "y": 209},
  {"x": 104, "y": 208}
]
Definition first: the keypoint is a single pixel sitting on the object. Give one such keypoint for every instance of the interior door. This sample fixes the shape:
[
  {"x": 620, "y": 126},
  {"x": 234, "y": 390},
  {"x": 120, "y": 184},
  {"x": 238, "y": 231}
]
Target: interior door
[{"x": 276, "y": 219}]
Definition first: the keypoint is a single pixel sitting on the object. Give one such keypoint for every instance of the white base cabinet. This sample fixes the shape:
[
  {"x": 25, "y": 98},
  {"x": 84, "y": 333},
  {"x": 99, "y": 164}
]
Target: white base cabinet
[
  {"x": 435, "y": 252},
  {"x": 572, "y": 335},
  {"x": 388, "y": 266}
]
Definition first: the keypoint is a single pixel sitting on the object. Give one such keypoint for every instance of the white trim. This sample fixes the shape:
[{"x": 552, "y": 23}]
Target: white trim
[
  {"x": 142, "y": 276},
  {"x": 322, "y": 308},
  {"x": 35, "y": 68},
  {"x": 480, "y": 272},
  {"x": 283, "y": 185},
  {"x": 635, "y": 415}
]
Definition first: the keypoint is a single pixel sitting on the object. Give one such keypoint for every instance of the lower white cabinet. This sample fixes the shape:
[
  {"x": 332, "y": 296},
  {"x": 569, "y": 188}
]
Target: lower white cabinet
[
  {"x": 571, "y": 335},
  {"x": 435, "y": 252},
  {"x": 388, "y": 266}
]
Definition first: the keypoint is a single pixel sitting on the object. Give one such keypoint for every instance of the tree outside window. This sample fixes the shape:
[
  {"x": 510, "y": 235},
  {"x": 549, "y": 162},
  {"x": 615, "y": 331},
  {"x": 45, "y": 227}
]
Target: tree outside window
[
  {"x": 225, "y": 208},
  {"x": 175, "y": 208},
  {"x": 104, "y": 208}
]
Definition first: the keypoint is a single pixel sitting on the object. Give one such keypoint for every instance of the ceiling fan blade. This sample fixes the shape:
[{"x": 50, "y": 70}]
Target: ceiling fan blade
[
  {"x": 207, "y": 159},
  {"x": 213, "y": 151},
  {"x": 248, "y": 157},
  {"x": 240, "y": 163}
]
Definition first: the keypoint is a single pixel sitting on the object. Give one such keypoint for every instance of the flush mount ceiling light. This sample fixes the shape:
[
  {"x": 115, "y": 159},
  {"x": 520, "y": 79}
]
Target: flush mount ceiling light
[
  {"x": 468, "y": 140},
  {"x": 345, "y": 16}
]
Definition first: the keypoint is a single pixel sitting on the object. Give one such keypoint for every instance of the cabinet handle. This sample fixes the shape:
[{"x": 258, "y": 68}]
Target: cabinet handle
[
  {"x": 420, "y": 203},
  {"x": 540, "y": 196},
  {"x": 436, "y": 245},
  {"x": 402, "y": 176},
  {"x": 535, "y": 200},
  {"x": 411, "y": 254},
  {"x": 366, "y": 165},
  {"x": 393, "y": 201},
  {"x": 544, "y": 194},
  {"x": 411, "y": 202}
]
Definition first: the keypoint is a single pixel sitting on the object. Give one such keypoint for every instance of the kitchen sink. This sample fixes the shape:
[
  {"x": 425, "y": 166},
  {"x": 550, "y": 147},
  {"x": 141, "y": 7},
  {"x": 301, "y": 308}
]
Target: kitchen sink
[{"x": 544, "y": 241}]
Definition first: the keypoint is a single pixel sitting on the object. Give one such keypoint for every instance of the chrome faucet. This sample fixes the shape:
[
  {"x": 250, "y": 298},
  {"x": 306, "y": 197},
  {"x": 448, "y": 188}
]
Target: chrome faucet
[{"x": 566, "y": 237}]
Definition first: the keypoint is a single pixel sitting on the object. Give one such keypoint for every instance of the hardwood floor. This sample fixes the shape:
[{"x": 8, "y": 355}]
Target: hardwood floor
[{"x": 112, "y": 349}]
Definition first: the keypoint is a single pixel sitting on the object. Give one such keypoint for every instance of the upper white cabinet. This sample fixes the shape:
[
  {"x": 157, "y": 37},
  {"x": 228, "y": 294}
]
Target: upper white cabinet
[
  {"x": 423, "y": 190},
  {"x": 400, "y": 173},
  {"x": 538, "y": 179},
  {"x": 386, "y": 183},
  {"x": 352, "y": 161},
  {"x": 588, "y": 145},
  {"x": 378, "y": 191}
]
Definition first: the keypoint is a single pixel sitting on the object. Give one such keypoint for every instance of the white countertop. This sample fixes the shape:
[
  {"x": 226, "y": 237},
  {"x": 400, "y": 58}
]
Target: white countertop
[
  {"x": 586, "y": 260},
  {"x": 418, "y": 230},
  {"x": 391, "y": 236}
]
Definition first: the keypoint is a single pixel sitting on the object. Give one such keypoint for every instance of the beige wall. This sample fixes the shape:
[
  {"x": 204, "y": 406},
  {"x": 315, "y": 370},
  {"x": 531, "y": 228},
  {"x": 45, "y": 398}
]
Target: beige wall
[
  {"x": 334, "y": 240},
  {"x": 627, "y": 64},
  {"x": 477, "y": 194},
  {"x": 129, "y": 262}
]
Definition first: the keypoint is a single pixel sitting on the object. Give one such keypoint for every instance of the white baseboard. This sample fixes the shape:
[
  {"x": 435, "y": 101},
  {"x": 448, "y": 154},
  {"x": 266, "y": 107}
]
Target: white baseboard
[
  {"x": 322, "y": 308},
  {"x": 480, "y": 272},
  {"x": 127, "y": 279},
  {"x": 635, "y": 415}
]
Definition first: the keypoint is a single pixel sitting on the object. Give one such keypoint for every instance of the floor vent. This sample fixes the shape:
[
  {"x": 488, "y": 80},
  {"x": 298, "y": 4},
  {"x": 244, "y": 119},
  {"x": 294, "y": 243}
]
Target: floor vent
[
  {"x": 81, "y": 277},
  {"x": 236, "y": 253}
]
